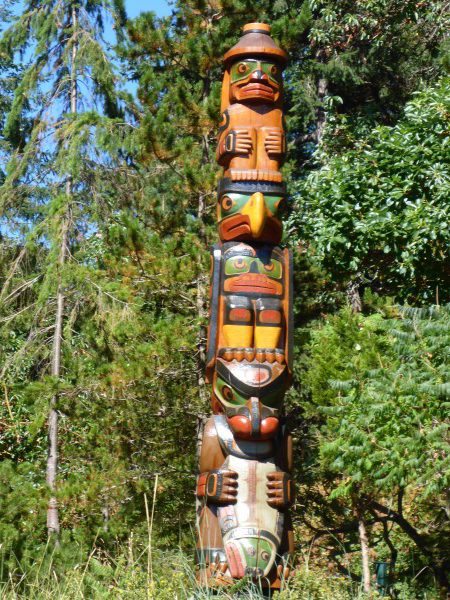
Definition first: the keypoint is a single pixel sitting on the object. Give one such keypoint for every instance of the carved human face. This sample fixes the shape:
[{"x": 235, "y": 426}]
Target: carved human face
[
  {"x": 255, "y": 80},
  {"x": 251, "y": 216},
  {"x": 254, "y": 273},
  {"x": 251, "y": 396}
]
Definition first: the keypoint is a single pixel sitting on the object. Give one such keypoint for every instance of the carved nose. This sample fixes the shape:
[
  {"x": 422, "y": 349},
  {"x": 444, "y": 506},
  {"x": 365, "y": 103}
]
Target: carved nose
[{"x": 259, "y": 75}]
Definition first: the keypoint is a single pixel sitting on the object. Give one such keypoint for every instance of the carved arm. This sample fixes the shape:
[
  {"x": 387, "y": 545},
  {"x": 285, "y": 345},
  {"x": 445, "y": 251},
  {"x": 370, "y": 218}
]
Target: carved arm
[
  {"x": 274, "y": 141},
  {"x": 233, "y": 142}
]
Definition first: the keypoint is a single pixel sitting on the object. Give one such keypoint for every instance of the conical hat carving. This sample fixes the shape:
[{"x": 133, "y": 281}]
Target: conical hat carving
[{"x": 256, "y": 41}]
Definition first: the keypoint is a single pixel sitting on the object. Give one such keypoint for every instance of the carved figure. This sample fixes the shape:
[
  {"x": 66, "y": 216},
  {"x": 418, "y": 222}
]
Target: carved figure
[
  {"x": 250, "y": 304},
  {"x": 244, "y": 489},
  {"x": 251, "y": 137}
]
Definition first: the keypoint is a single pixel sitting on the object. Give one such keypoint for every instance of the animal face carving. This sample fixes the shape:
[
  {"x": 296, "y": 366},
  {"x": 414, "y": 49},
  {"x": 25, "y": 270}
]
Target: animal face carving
[
  {"x": 254, "y": 80},
  {"x": 251, "y": 396},
  {"x": 253, "y": 282},
  {"x": 251, "y": 273},
  {"x": 250, "y": 556},
  {"x": 250, "y": 216}
]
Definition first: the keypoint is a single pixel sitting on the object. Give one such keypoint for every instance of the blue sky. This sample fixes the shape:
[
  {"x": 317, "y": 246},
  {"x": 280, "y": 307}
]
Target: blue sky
[{"x": 135, "y": 7}]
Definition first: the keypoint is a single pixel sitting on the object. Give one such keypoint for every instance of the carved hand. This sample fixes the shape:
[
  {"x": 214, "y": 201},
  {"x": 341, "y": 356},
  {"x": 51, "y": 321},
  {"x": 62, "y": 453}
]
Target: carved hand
[
  {"x": 218, "y": 486},
  {"x": 274, "y": 142},
  {"x": 218, "y": 568},
  {"x": 280, "y": 489},
  {"x": 238, "y": 141}
]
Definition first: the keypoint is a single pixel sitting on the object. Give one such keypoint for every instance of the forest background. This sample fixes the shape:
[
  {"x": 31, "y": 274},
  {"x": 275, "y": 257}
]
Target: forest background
[{"x": 107, "y": 205}]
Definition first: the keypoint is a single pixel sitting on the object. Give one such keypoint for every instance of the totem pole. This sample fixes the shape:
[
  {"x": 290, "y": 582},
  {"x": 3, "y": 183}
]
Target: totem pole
[{"x": 244, "y": 488}]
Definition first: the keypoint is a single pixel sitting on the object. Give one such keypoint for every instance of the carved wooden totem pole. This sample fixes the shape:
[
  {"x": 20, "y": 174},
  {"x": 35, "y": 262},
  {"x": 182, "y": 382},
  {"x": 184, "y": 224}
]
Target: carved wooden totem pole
[{"x": 244, "y": 489}]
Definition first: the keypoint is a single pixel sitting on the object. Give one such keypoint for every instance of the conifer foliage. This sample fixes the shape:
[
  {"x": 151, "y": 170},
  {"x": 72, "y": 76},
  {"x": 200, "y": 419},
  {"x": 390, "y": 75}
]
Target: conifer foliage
[{"x": 50, "y": 128}]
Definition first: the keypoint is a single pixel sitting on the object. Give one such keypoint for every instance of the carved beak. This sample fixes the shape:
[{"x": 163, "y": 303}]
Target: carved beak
[
  {"x": 256, "y": 210},
  {"x": 254, "y": 409}
]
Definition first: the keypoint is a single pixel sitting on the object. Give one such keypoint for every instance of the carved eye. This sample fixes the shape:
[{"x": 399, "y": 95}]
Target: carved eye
[
  {"x": 273, "y": 70},
  {"x": 227, "y": 393},
  {"x": 227, "y": 203},
  {"x": 242, "y": 68},
  {"x": 281, "y": 206},
  {"x": 239, "y": 263},
  {"x": 265, "y": 555},
  {"x": 269, "y": 267}
]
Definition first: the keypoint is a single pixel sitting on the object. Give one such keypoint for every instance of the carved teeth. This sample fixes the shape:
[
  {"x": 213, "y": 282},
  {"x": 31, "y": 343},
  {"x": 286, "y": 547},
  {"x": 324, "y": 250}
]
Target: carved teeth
[
  {"x": 226, "y": 353},
  {"x": 239, "y": 354},
  {"x": 260, "y": 354},
  {"x": 279, "y": 356},
  {"x": 249, "y": 354},
  {"x": 270, "y": 355}
]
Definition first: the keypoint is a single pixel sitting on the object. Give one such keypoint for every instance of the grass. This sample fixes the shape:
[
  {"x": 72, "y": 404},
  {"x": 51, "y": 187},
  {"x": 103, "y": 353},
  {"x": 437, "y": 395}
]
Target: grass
[
  {"x": 172, "y": 578},
  {"x": 141, "y": 572}
]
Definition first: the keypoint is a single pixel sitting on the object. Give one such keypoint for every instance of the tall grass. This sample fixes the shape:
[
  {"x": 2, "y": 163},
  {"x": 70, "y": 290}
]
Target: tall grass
[
  {"x": 173, "y": 578},
  {"x": 139, "y": 571}
]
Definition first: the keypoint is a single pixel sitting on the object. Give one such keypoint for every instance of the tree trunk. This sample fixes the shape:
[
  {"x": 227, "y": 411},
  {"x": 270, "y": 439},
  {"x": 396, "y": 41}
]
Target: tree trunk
[
  {"x": 52, "y": 458},
  {"x": 354, "y": 297},
  {"x": 322, "y": 91},
  {"x": 364, "y": 554},
  {"x": 438, "y": 566},
  {"x": 105, "y": 515},
  {"x": 393, "y": 551}
]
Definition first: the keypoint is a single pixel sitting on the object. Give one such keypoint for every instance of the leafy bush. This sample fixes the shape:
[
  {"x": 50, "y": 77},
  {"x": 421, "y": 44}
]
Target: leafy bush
[
  {"x": 382, "y": 446},
  {"x": 378, "y": 212}
]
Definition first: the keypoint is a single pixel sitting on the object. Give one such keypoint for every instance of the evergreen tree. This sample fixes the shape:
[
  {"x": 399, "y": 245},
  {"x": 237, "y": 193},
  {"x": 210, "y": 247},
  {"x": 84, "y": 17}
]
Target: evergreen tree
[{"x": 47, "y": 184}]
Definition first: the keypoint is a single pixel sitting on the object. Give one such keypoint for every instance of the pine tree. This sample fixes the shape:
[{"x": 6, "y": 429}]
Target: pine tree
[{"x": 47, "y": 183}]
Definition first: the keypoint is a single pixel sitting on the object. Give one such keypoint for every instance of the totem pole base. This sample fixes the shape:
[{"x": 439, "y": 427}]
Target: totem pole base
[{"x": 212, "y": 578}]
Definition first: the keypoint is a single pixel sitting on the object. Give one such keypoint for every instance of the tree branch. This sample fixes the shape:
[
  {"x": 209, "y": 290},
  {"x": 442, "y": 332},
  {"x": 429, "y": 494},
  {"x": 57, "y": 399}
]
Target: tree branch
[{"x": 418, "y": 539}]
